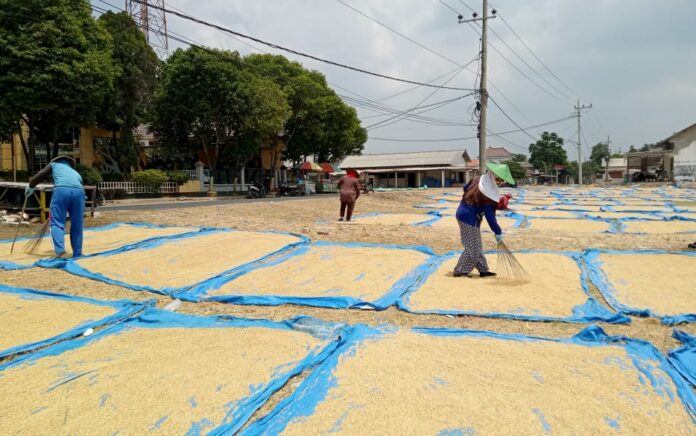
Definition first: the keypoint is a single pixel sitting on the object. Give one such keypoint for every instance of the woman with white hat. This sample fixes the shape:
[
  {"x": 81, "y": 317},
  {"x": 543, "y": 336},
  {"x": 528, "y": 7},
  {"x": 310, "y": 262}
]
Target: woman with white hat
[{"x": 480, "y": 200}]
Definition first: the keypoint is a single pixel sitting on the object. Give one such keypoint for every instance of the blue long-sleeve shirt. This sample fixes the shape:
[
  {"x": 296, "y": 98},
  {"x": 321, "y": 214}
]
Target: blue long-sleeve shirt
[{"x": 473, "y": 215}]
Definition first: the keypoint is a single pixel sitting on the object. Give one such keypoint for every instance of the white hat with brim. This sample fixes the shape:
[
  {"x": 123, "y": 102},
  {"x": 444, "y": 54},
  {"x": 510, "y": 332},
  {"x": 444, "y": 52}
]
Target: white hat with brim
[{"x": 488, "y": 187}]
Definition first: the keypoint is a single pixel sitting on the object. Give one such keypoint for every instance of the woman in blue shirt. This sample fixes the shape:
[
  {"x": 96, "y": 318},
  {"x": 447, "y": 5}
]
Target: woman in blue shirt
[
  {"x": 480, "y": 200},
  {"x": 68, "y": 198}
]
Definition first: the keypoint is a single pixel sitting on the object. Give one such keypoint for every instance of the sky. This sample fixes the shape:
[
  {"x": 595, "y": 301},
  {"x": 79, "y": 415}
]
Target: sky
[{"x": 634, "y": 61}]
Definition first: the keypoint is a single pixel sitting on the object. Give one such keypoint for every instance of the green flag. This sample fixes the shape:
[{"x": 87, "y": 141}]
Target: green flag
[{"x": 502, "y": 171}]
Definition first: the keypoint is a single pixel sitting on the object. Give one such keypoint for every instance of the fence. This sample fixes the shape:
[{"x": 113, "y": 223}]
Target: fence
[{"x": 139, "y": 188}]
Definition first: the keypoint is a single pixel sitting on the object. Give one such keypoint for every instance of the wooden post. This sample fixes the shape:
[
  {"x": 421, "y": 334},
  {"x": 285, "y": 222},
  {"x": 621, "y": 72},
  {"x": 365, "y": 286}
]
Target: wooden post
[{"x": 42, "y": 205}]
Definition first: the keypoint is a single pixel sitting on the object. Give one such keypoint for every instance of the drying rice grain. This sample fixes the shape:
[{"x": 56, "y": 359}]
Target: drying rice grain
[
  {"x": 660, "y": 227},
  {"x": 394, "y": 219},
  {"x": 568, "y": 225}
]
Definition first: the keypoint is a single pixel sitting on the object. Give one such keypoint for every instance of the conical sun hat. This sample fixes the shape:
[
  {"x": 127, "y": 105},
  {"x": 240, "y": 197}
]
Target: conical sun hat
[{"x": 488, "y": 187}]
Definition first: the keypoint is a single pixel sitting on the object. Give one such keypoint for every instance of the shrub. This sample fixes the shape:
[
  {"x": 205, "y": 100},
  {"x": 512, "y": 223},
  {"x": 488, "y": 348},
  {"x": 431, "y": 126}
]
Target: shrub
[
  {"x": 151, "y": 178},
  {"x": 112, "y": 177},
  {"x": 177, "y": 176},
  {"x": 90, "y": 176}
]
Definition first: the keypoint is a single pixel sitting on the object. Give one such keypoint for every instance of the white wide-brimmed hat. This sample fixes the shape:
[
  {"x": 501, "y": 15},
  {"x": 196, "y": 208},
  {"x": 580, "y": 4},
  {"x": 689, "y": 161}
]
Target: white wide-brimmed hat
[{"x": 488, "y": 187}]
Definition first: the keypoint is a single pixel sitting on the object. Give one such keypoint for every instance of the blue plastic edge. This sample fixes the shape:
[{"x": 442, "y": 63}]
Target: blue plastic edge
[
  {"x": 590, "y": 311},
  {"x": 244, "y": 408},
  {"x": 388, "y": 299},
  {"x": 684, "y": 357},
  {"x": 125, "y": 309},
  {"x": 59, "y": 263},
  {"x": 316, "y": 386},
  {"x": 73, "y": 267},
  {"x": 600, "y": 280}
]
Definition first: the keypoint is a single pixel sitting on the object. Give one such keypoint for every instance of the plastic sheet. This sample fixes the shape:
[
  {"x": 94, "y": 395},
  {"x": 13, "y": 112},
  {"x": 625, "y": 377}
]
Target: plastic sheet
[
  {"x": 307, "y": 292},
  {"x": 684, "y": 357},
  {"x": 599, "y": 278},
  {"x": 320, "y": 403},
  {"x": 121, "y": 311},
  {"x": 590, "y": 311},
  {"x": 313, "y": 340},
  {"x": 28, "y": 261},
  {"x": 74, "y": 266}
]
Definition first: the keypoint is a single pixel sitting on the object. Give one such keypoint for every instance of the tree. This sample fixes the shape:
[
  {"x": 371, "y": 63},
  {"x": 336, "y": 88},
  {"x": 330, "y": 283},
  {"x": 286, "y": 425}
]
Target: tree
[
  {"x": 617, "y": 155},
  {"x": 320, "y": 124},
  {"x": 135, "y": 65},
  {"x": 206, "y": 98},
  {"x": 519, "y": 157},
  {"x": 547, "y": 152},
  {"x": 632, "y": 149},
  {"x": 600, "y": 153},
  {"x": 516, "y": 169},
  {"x": 55, "y": 69},
  {"x": 589, "y": 169},
  {"x": 646, "y": 147}
]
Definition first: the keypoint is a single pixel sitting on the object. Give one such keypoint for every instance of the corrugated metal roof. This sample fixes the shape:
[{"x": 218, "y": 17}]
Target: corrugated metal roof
[{"x": 448, "y": 158}]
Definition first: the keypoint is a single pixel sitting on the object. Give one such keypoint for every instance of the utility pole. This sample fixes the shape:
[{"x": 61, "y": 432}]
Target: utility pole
[
  {"x": 608, "y": 157},
  {"x": 579, "y": 110},
  {"x": 483, "y": 91}
]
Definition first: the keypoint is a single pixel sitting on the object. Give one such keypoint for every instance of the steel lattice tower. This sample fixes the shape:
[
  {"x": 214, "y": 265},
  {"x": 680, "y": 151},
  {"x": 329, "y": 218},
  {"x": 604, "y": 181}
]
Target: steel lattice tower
[{"x": 152, "y": 22}]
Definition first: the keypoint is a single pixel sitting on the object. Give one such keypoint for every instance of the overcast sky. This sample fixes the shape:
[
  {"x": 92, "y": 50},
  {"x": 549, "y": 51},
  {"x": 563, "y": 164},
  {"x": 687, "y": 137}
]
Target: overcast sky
[{"x": 633, "y": 60}]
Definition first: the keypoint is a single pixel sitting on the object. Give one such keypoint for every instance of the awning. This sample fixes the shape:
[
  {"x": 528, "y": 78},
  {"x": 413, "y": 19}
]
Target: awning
[{"x": 410, "y": 169}]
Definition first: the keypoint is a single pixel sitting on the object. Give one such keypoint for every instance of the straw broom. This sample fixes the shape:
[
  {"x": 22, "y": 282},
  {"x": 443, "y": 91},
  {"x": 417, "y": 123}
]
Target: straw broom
[
  {"x": 509, "y": 268},
  {"x": 32, "y": 246}
]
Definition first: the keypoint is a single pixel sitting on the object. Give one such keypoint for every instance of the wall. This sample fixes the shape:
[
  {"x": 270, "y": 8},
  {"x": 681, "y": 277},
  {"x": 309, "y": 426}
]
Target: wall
[{"x": 685, "y": 155}]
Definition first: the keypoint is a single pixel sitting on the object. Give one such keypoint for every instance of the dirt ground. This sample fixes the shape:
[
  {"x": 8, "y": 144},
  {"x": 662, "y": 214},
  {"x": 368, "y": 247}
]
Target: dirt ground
[{"x": 316, "y": 217}]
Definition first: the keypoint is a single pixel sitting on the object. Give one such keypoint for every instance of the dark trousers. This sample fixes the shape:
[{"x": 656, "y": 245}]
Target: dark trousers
[{"x": 347, "y": 209}]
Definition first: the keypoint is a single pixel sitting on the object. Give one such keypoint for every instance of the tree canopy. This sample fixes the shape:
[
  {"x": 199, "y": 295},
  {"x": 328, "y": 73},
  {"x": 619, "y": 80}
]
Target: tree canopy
[
  {"x": 56, "y": 69},
  {"x": 600, "y": 152},
  {"x": 206, "y": 98},
  {"x": 135, "y": 65},
  {"x": 516, "y": 169},
  {"x": 547, "y": 152}
]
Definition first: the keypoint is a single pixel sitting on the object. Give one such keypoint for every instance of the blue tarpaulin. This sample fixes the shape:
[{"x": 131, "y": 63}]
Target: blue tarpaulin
[
  {"x": 590, "y": 311},
  {"x": 73, "y": 266},
  {"x": 239, "y": 410},
  {"x": 301, "y": 404},
  {"x": 684, "y": 357},
  {"x": 57, "y": 263},
  {"x": 123, "y": 310},
  {"x": 336, "y": 300},
  {"x": 601, "y": 281}
]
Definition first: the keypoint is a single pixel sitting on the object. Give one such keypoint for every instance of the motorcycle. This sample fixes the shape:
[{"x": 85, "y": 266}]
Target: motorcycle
[
  {"x": 286, "y": 189},
  {"x": 256, "y": 191}
]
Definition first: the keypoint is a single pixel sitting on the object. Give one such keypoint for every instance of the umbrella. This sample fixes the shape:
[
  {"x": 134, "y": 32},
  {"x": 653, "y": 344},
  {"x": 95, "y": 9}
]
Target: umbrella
[
  {"x": 502, "y": 171},
  {"x": 311, "y": 167},
  {"x": 329, "y": 168}
]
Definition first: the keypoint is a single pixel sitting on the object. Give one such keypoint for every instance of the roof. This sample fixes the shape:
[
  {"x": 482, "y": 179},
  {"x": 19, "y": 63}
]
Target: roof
[
  {"x": 423, "y": 159},
  {"x": 497, "y": 152},
  {"x": 677, "y": 133}
]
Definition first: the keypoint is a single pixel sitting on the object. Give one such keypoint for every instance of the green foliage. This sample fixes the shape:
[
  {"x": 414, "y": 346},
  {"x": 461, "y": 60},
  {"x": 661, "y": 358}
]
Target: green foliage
[
  {"x": 600, "y": 153},
  {"x": 632, "y": 149},
  {"x": 151, "y": 178},
  {"x": 320, "y": 123},
  {"x": 646, "y": 147},
  {"x": 208, "y": 99},
  {"x": 55, "y": 65},
  {"x": 589, "y": 169},
  {"x": 617, "y": 155},
  {"x": 519, "y": 157},
  {"x": 516, "y": 169},
  {"x": 547, "y": 152},
  {"x": 177, "y": 176},
  {"x": 112, "y": 177},
  {"x": 135, "y": 65},
  {"x": 90, "y": 176}
]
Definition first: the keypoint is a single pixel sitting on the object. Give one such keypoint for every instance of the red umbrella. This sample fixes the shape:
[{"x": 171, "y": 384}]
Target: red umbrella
[
  {"x": 327, "y": 167},
  {"x": 311, "y": 167}
]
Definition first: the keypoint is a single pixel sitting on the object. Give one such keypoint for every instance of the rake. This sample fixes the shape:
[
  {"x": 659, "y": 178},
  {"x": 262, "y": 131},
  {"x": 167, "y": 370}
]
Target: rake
[
  {"x": 32, "y": 246},
  {"x": 509, "y": 268}
]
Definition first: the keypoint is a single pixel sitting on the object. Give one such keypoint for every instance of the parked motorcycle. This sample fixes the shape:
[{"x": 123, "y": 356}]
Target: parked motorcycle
[
  {"x": 256, "y": 191},
  {"x": 286, "y": 189}
]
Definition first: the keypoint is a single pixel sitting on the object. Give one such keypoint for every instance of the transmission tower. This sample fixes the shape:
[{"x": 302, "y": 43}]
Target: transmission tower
[{"x": 152, "y": 21}]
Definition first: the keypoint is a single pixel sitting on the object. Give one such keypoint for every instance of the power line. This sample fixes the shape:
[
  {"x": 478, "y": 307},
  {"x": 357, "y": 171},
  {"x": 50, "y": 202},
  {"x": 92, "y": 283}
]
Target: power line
[
  {"x": 424, "y": 47},
  {"x": 497, "y": 134},
  {"x": 295, "y": 52},
  {"x": 510, "y": 118}
]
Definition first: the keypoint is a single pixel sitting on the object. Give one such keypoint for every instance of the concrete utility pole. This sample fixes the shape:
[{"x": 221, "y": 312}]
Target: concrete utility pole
[
  {"x": 579, "y": 110},
  {"x": 483, "y": 91},
  {"x": 608, "y": 158}
]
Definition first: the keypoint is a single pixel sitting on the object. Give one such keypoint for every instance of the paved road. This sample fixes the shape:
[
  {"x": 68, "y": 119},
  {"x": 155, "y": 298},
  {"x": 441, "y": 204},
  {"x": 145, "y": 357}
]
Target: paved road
[{"x": 173, "y": 204}]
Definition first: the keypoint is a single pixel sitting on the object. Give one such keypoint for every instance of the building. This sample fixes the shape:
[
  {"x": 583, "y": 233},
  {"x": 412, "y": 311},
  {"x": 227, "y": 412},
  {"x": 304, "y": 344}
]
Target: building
[
  {"x": 497, "y": 154},
  {"x": 416, "y": 169},
  {"x": 617, "y": 168},
  {"x": 683, "y": 147}
]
